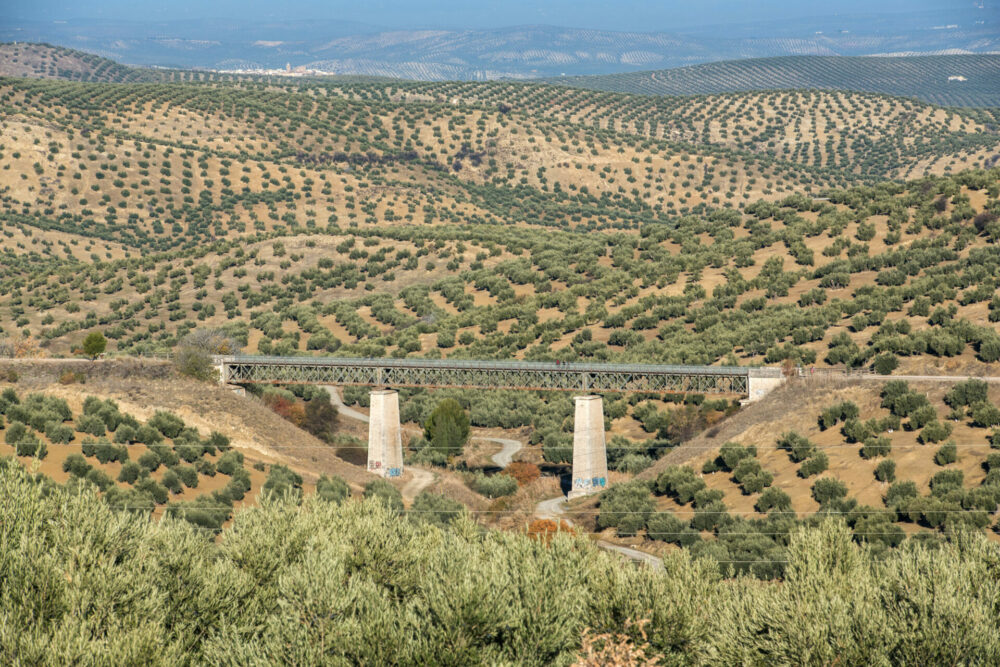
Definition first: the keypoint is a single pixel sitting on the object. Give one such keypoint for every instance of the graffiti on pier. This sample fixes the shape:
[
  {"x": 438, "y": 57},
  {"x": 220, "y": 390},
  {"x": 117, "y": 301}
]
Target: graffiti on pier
[{"x": 591, "y": 483}]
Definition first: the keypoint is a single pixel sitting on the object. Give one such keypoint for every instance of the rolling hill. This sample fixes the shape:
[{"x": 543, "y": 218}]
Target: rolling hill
[
  {"x": 509, "y": 220},
  {"x": 968, "y": 80}
]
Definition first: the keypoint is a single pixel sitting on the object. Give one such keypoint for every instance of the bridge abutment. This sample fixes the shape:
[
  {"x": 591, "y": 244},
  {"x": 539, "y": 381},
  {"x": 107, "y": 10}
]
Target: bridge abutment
[
  {"x": 762, "y": 381},
  {"x": 385, "y": 443},
  {"x": 590, "y": 458}
]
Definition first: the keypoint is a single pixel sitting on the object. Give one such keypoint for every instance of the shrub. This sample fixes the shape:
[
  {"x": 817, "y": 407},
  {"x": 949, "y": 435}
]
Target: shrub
[
  {"x": 424, "y": 454},
  {"x": 72, "y": 377},
  {"x": 493, "y": 486},
  {"x": 94, "y": 344},
  {"x": 150, "y": 461},
  {"x": 668, "y": 528},
  {"x": 525, "y": 473},
  {"x": 194, "y": 363},
  {"x": 155, "y": 490},
  {"x": 58, "y": 433},
  {"x": 885, "y": 471},
  {"x": 187, "y": 474},
  {"x": 946, "y": 480},
  {"x": 814, "y": 465},
  {"x": 447, "y": 428},
  {"x": 967, "y": 392},
  {"x": 332, "y": 489},
  {"x": 148, "y": 435},
  {"x": 76, "y": 465},
  {"x": 229, "y": 462},
  {"x": 885, "y": 363},
  {"x": 773, "y": 499},
  {"x": 827, "y": 489},
  {"x": 30, "y": 445},
  {"x": 946, "y": 453},
  {"x": 436, "y": 509},
  {"x": 282, "y": 480},
  {"x": 15, "y": 433},
  {"x": 125, "y": 435},
  {"x": 167, "y": 423},
  {"x": 799, "y": 447},
  {"x": 384, "y": 492},
  {"x": 239, "y": 485},
  {"x": 131, "y": 471},
  {"x": 934, "y": 431},
  {"x": 625, "y": 507},
  {"x": 900, "y": 492},
  {"x": 92, "y": 425},
  {"x": 731, "y": 453},
  {"x": 681, "y": 483},
  {"x": 100, "y": 479},
  {"x": 218, "y": 441},
  {"x": 172, "y": 482},
  {"x": 985, "y": 415},
  {"x": 876, "y": 446},
  {"x": 710, "y": 517}
]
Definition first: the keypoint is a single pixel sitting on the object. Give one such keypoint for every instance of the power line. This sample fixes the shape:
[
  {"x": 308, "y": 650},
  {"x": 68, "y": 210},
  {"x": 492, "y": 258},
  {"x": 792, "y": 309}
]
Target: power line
[{"x": 336, "y": 447}]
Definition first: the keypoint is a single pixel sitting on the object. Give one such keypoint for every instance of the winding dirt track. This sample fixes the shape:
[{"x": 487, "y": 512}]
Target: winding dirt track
[
  {"x": 554, "y": 510},
  {"x": 505, "y": 456},
  {"x": 342, "y": 409}
]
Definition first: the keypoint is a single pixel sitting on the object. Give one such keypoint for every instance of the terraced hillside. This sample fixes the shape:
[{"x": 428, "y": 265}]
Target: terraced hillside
[{"x": 928, "y": 78}]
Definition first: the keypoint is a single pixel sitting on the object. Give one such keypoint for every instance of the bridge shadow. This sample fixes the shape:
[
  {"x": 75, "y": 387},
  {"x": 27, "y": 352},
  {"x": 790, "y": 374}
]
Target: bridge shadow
[{"x": 560, "y": 470}]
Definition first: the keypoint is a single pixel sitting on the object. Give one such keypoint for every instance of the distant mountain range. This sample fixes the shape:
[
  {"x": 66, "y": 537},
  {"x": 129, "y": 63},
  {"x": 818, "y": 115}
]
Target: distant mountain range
[
  {"x": 343, "y": 47},
  {"x": 954, "y": 80}
]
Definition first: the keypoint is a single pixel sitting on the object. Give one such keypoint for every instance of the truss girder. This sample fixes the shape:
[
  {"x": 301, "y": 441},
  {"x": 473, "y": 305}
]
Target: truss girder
[{"x": 489, "y": 375}]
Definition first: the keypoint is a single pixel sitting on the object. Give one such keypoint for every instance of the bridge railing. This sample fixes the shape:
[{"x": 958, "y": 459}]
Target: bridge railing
[{"x": 489, "y": 374}]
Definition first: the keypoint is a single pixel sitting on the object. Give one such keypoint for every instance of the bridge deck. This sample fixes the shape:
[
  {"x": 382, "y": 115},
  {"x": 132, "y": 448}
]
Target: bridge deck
[{"x": 476, "y": 374}]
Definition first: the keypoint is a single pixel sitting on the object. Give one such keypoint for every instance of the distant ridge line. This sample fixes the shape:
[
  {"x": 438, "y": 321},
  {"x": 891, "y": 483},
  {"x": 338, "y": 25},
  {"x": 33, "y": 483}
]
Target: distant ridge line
[{"x": 922, "y": 77}]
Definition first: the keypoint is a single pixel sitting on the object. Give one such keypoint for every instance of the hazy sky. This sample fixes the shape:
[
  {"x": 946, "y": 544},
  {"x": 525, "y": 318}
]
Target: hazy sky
[{"x": 644, "y": 15}]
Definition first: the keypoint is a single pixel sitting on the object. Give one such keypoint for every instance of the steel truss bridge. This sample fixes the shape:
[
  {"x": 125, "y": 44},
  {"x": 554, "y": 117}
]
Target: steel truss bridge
[{"x": 472, "y": 374}]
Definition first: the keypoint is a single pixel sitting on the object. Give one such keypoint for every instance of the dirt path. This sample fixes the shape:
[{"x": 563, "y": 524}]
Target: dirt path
[
  {"x": 419, "y": 481},
  {"x": 930, "y": 378},
  {"x": 633, "y": 554},
  {"x": 505, "y": 456},
  {"x": 554, "y": 510},
  {"x": 342, "y": 409}
]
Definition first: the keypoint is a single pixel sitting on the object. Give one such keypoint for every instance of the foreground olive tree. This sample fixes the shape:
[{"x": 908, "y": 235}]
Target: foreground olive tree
[{"x": 355, "y": 583}]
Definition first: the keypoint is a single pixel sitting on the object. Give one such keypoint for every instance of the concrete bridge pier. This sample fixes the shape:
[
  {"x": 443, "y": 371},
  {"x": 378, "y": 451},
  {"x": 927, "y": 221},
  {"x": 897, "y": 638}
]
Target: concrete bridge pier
[
  {"x": 385, "y": 443},
  {"x": 590, "y": 458}
]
